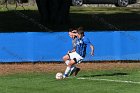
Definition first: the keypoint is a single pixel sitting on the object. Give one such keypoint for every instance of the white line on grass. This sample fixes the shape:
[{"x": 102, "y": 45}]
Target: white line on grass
[{"x": 109, "y": 80}]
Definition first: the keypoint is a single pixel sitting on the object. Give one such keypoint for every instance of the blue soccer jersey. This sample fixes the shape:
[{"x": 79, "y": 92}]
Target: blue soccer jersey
[{"x": 81, "y": 45}]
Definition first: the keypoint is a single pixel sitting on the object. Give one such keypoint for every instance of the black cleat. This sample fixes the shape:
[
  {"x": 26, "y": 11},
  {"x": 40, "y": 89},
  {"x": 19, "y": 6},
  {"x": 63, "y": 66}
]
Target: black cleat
[{"x": 76, "y": 72}]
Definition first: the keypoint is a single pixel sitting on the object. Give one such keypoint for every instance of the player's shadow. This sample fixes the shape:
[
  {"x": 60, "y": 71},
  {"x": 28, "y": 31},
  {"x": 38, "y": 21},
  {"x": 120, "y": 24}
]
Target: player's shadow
[{"x": 111, "y": 74}]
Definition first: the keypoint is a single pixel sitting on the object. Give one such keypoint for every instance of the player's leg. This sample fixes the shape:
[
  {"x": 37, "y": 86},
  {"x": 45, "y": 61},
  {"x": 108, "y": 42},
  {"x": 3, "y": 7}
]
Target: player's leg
[
  {"x": 66, "y": 59},
  {"x": 73, "y": 69},
  {"x": 76, "y": 71},
  {"x": 68, "y": 69},
  {"x": 78, "y": 59}
]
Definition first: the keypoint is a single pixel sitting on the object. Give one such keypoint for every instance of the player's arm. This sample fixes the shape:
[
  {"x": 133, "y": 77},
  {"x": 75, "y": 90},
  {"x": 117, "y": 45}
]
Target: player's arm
[
  {"x": 87, "y": 41},
  {"x": 92, "y": 49}
]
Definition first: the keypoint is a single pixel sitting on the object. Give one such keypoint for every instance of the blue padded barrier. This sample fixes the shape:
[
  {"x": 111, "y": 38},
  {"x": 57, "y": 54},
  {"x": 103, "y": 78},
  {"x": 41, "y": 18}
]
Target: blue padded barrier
[{"x": 52, "y": 46}]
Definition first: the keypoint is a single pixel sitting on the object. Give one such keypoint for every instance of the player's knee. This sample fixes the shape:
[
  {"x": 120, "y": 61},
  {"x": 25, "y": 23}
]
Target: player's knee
[{"x": 65, "y": 58}]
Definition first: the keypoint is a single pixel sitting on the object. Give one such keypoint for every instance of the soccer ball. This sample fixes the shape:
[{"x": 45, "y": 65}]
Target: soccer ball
[{"x": 59, "y": 75}]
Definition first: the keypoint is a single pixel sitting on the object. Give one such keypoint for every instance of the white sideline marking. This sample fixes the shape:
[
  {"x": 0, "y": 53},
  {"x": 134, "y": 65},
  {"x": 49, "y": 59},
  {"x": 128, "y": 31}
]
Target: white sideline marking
[{"x": 109, "y": 80}]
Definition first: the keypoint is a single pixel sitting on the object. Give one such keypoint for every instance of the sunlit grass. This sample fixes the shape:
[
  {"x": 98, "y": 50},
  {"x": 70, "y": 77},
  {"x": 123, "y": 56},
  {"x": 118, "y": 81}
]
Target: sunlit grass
[{"x": 104, "y": 10}]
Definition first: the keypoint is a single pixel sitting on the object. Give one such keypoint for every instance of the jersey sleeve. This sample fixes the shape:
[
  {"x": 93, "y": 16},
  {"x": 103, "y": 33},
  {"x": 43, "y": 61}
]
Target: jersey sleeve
[{"x": 87, "y": 41}]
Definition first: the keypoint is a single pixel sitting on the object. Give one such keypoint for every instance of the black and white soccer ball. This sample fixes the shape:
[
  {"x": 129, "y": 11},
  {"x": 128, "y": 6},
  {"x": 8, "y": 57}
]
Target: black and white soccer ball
[{"x": 59, "y": 76}]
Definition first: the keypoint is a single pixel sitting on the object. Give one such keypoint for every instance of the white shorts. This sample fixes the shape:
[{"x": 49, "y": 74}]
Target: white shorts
[{"x": 75, "y": 56}]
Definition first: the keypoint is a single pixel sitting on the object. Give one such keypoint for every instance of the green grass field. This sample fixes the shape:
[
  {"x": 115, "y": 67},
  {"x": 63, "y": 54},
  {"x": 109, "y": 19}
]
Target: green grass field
[{"x": 97, "y": 81}]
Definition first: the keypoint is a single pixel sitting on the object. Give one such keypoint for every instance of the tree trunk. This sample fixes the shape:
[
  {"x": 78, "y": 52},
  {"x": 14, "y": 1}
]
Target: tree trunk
[{"x": 54, "y": 12}]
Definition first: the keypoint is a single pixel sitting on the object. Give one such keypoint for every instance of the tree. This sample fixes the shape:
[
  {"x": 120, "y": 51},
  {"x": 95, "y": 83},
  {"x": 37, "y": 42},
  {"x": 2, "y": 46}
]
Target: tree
[{"x": 54, "y": 12}]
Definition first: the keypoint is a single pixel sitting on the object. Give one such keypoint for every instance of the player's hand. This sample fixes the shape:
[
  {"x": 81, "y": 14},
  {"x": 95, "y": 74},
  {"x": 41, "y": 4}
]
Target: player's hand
[{"x": 92, "y": 53}]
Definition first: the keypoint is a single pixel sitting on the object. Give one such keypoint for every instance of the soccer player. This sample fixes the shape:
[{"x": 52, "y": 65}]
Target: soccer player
[
  {"x": 79, "y": 54},
  {"x": 73, "y": 35}
]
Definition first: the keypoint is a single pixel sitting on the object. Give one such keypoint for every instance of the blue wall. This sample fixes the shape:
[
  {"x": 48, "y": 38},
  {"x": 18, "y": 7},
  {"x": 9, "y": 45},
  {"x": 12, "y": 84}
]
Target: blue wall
[{"x": 45, "y": 46}]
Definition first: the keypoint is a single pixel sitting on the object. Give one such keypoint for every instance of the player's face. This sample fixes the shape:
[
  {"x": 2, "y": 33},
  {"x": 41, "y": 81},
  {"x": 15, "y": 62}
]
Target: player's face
[{"x": 71, "y": 35}]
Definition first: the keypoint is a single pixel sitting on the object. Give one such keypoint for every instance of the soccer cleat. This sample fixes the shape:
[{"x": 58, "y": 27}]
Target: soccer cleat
[
  {"x": 76, "y": 72},
  {"x": 65, "y": 76}
]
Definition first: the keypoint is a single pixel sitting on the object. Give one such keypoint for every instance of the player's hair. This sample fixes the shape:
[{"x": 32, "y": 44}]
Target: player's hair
[
  {"x": 70, "y": 29},
  {"x": 73, "y": 30},
  {"x": 80, "y": 31}
]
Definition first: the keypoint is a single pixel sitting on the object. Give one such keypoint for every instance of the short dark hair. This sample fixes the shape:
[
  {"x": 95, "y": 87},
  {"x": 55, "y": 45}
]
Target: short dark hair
[
  {"x": 80, "y": 30},
  {"x": 72, "y": 30}
]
